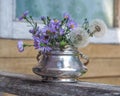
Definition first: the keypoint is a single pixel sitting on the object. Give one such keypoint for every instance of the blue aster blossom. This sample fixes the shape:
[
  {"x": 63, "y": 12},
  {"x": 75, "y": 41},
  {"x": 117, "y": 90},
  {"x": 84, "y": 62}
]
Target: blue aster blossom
[
  {"x": 24, "y": 15},
  {"x": 71, "y": 24},
  {"x": 20, "y": 46},
  {"x": 51, "y": 35}
]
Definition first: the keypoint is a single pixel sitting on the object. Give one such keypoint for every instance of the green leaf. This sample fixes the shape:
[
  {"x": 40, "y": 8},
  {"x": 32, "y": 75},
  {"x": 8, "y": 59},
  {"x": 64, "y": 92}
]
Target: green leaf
[
  {"x": 63, "y": 43},
  {"x": 42, "y": 44}
]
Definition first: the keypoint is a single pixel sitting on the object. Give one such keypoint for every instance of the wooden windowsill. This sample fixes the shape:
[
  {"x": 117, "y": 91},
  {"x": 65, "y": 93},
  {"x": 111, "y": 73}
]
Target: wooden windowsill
[{"x": 29, "y": 85}]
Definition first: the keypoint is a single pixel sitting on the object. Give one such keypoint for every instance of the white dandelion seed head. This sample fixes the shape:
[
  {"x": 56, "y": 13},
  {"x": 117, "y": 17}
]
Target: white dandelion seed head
[
  {"x": 79, "y": 37},
  {"x": 98, "y": 27}
]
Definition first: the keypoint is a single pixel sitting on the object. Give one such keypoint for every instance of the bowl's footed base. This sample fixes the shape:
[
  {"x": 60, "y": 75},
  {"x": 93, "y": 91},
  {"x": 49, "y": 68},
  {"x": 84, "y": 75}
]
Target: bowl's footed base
[{"x": 59, "y": 80}]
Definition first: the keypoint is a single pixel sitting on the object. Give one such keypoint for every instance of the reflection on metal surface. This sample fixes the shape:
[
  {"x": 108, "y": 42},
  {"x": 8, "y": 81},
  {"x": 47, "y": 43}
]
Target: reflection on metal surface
[{"x": 60, "y": 66}]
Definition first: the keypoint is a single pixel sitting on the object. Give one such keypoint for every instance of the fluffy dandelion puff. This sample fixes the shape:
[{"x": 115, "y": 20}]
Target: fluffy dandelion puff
[
  {"x": 98, "y": 28},
  {"x": 79, "y": 38}
]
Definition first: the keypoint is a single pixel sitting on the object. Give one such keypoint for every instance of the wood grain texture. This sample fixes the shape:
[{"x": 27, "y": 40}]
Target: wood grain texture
[
  {"x": 18, "y": 65},
  {"x": 7, "y": 94},
  {"x": 102, "y": 50},
  {"x": 37, "y": 88},
  {"x": 114, "y": 80},
  {"x": 102, "y": 67},
  {"x": 116, "y": 13},
  {"x": 96, "y": 67},
  {"x": 8, "y": 48}
]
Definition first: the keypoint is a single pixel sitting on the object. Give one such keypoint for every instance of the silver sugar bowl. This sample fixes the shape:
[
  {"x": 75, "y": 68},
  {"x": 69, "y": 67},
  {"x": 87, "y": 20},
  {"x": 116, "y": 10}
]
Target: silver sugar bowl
[{"x": 61, "y": 65}]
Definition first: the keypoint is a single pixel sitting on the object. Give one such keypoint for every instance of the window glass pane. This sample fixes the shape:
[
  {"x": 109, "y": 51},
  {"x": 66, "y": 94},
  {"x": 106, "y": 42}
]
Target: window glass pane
[{"x": 78, "y": 9}]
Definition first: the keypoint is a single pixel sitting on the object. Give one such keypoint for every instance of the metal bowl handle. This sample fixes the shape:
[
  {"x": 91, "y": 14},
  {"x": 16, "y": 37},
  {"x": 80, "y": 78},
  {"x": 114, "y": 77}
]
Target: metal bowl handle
[
  {"x": 84, "y": 57},
  {"x": 38, "y": 56}
]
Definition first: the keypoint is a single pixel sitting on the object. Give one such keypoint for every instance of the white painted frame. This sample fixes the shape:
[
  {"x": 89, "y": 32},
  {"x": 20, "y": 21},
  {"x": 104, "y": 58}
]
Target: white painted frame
[
  {"x": 9, "y": 26},
  {"x": 12, "y": 28}
]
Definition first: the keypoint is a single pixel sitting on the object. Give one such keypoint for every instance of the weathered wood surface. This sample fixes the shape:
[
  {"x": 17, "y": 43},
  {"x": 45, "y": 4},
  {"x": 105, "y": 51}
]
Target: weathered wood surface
[{"x": 29, "y": 85}]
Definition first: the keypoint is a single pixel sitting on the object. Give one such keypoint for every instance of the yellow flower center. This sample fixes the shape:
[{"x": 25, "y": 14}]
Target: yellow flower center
[
  {"x": 56, "y": 20},
  {"x": 65, "y": 17},
  {"x": 48, "y": 31},
  {"x": 72, "y": 26}
]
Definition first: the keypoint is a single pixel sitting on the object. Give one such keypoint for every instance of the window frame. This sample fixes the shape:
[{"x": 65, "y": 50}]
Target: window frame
[
  {"x": 14, "y": 29},
  {"x": 9, "y": 26},
  {"x": 116, "y": 21}
]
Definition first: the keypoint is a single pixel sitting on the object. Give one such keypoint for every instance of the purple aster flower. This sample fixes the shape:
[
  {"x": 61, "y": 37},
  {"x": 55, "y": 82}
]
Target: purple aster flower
[
  {"x": 35, "y": 31},
  {"x": 57, "y": 24},
  {"x": 31, "y": 31},
  {"x": 52, "y": 26},
  {"x": 20, "y": 46},
  {"x": 48, "y": 30},
  {"x": 41, "y": 45},
  {"x": 36, "y": 42},
  {"x": 38, "y": 33},
  {"x": 45, "y": 30},
  {"x": 43, "y": 18},
  {"x": 61, "y": 31},
  {"x": 71, "y": 24},
  {"x": 66, "y": 16},
  {"x": 44, "y": 39},
  {"x": 24, "y": 15},
  {"x": 45, "y": 49}
]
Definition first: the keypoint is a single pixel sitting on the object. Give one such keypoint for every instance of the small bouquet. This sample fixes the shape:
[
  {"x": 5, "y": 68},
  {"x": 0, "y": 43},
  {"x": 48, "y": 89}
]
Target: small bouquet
[{"x": 60, "y": 33}]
